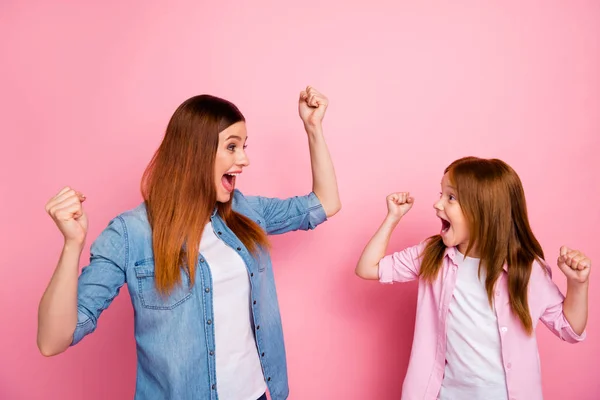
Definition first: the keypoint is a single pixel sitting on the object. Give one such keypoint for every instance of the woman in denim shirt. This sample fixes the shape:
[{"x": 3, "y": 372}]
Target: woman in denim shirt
[{"x": 195, "y": 259}]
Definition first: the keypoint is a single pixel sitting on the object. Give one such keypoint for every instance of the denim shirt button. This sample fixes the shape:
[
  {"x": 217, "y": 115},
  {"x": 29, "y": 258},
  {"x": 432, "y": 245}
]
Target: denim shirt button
[
  {"x": 209, "y": 322},
  {"x": 213, "y": 387},
  {"x": 257, "y": 327},
  {"x": 207, "y": 290},
  {"x": 251, "y": 273},
  {"x": 269, "y": 379},
  {"x": 212, "y": 353},
  {"x": 254, "y": 302},
  {"x": 262, "y": 355},
  {"x": 239, "y": 248},
  {"x": 219, "y": 233},
  {"x": 202, "y": 260}
]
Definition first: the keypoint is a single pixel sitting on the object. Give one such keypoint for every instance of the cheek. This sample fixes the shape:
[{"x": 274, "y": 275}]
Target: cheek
[
  {"x": 459, "y": 221},
  {"x": 220, "y": 162}
]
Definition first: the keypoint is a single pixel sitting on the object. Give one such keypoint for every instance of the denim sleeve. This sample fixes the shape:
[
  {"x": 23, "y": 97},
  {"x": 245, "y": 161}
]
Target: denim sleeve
[
  {"x": 285, "y": 215},
  {"x": 101, "y": 280}
]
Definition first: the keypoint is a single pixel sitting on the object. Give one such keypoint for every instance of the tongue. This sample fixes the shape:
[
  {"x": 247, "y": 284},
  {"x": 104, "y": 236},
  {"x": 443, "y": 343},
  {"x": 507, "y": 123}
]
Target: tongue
[{"x": 227, "y": 182}]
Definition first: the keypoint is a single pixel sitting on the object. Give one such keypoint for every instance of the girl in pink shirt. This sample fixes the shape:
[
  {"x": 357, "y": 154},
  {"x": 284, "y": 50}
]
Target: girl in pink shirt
[{"x": 483, "y": 287}]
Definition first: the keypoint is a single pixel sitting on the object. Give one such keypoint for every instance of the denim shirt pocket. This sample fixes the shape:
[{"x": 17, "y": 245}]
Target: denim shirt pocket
[{"x": 149, "y": 295}]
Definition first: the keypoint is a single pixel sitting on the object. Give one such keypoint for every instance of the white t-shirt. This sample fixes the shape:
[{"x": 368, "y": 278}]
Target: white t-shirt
[
  {"x": 474, "y": 367},
  {"x": 239, "y": 373}
]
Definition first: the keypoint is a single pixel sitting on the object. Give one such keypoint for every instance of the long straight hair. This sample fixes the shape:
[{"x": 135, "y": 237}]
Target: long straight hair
[
  {"x": 492, "y": 199},
  {"x": 179, "y": 190}
]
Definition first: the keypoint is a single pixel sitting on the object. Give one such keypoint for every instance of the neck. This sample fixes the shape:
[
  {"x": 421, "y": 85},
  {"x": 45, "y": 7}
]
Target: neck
[{"x": 474, "y": 252}]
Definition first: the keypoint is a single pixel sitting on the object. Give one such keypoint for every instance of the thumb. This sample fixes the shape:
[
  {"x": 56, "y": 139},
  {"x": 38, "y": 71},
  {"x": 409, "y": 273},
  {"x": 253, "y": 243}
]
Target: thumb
[
  {"x": 562, "y": 258},
  {"x": 564, "y": 250}
]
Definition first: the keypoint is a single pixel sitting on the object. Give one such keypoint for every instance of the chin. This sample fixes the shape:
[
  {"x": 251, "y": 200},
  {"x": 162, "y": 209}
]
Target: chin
[
  {"x": 447, "y": 242},
  {"x": 223, "y": 198}
]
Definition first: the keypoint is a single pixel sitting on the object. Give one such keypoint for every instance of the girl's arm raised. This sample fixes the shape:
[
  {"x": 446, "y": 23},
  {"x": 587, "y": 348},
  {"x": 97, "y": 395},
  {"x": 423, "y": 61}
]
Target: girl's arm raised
[
  {"x": 368, "y": 265},
  {"x": 576, "y": 266}
]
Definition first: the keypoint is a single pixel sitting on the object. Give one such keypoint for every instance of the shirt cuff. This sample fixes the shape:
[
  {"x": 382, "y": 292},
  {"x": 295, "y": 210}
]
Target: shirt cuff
[
  {"x": 569, "y": 335},
  {"x": 386, "y": 270},
  {"x": 85, "y": 326},
  {"x": 316, "y": 212}
]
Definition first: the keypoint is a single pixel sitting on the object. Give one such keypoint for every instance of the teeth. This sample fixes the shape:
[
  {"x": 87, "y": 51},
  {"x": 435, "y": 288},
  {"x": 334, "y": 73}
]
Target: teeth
[{"x": 232, "y": 174}]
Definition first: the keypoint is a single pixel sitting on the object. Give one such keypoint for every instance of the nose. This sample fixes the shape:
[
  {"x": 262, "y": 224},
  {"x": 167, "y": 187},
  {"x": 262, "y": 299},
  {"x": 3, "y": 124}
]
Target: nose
[
  {"x": 438, "y": 205},
  {"x": 243, "y": 160}
]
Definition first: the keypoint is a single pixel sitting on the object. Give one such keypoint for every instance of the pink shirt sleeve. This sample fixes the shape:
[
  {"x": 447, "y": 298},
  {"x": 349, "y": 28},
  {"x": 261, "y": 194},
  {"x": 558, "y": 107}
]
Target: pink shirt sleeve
[
  {"x": 402, "y": 266},
  {"x": 553, "y": 317}
]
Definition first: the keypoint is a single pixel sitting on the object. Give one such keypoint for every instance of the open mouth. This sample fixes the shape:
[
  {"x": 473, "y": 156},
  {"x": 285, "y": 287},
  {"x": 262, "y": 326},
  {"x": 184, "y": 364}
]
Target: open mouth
[
  {"x": 228, "y": 181},
  {"x": 445, "y": 225}
]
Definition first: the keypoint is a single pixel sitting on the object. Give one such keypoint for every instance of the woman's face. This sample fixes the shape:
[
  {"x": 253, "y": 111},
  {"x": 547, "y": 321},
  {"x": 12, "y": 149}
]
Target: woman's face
[{"x": 231, "y": 158}]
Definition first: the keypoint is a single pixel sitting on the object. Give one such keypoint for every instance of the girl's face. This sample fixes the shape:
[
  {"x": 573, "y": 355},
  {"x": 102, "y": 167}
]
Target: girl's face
[{"x": 455, "y": 229}]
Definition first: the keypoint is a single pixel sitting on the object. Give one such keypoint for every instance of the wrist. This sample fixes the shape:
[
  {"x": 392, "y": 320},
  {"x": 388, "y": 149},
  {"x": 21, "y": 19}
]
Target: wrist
[
  {"x": 313, "y": 129},
  {"x": 74, "y": 245},
  {"x": 391, "y": 219},
  {"x": 574, "y": 285}
]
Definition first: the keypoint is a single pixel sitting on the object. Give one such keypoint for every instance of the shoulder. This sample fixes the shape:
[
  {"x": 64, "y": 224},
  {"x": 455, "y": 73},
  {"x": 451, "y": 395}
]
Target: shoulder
[
  {"x": 246, "y": 205},
  {"x": 540, "y": 269},
  {"x": 128, "y": 225},
  {"x": 541, "y": 276},
  {"x": 135, "y": 218}
]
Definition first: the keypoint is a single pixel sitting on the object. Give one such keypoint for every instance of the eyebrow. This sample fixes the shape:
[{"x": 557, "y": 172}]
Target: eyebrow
[
  {"x": 235, "y": 137},
  {"x": 450, "y": 186}
]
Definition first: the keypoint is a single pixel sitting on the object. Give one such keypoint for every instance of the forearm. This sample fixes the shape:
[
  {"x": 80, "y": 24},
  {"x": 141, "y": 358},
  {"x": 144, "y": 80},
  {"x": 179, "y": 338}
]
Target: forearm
[
  {"x": 323, "y": 173},
  {"x": 57, "y": 313},
  {"x": 368, "y": 264},
  {"x": 575, "y": 306}
]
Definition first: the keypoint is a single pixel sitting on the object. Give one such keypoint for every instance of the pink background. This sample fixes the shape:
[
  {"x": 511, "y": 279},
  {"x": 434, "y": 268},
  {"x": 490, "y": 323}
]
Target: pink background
[{"x": 87, "y": 90}]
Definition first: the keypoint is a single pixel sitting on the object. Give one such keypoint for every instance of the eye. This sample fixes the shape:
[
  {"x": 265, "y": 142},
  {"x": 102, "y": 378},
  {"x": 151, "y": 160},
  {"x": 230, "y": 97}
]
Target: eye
[
  {"x": 451, "y": 197},
  {"x": 231, "y": 147},
  {"x": 245, "y": 147}
]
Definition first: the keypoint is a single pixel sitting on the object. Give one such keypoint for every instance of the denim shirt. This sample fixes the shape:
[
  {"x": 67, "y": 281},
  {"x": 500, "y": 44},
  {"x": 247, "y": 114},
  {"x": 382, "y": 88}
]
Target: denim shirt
[{"x": 175, "y": 337}]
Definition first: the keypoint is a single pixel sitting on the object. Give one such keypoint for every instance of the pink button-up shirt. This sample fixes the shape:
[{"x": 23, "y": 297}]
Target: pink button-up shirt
[{"x": 519, "y": 351}]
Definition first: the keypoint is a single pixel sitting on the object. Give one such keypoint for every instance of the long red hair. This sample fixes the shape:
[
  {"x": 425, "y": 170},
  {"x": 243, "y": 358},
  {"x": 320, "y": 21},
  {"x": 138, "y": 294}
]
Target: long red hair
[
  {"x": 179, "y": 189},
  {"x": 492, "y": 199}
]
